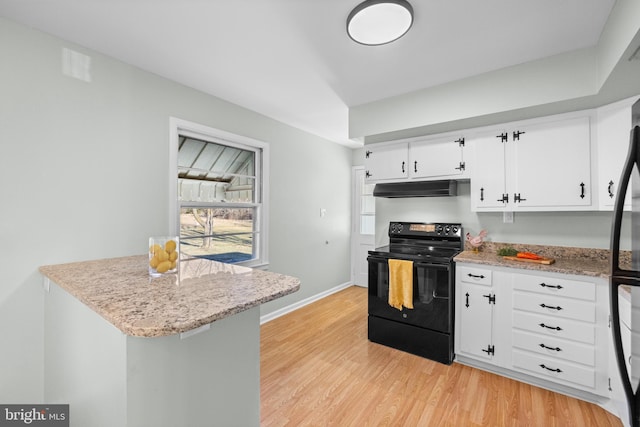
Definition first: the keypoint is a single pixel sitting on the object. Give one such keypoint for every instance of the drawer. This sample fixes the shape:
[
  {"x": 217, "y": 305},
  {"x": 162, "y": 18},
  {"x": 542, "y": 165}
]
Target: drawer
[
  {"x": 555, "y": 369},
  {"x": 558, "y": 287},
  {"x": 557, "y": 327},
  {"x": 555, "y": 307},
  {"x": 478, "y": 276},
  {"x": 555, "y": 348}
]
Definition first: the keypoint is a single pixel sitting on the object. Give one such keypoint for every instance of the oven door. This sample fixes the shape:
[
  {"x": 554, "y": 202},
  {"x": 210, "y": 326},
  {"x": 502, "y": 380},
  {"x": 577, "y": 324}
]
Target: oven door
[{"x": 432, "y": 295}]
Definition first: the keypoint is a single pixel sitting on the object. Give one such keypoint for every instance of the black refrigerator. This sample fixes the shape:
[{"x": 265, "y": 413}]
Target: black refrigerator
[{"x": 625, "y": 275}]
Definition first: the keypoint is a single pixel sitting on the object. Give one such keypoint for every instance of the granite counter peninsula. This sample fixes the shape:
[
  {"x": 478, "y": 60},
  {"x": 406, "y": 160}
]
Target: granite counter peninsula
[{"x": 124, "y": 350}]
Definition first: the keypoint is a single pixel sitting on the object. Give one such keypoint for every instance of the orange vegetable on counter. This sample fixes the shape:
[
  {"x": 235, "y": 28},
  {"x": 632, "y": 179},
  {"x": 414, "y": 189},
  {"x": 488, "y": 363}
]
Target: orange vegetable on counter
[{"x": 528, "y": 255}]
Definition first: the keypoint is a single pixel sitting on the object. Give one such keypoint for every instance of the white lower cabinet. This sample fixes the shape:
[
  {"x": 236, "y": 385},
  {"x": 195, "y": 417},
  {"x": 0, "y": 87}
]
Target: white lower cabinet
[
  {"x": 547, "y": 329},
  {"x": 476, "y": 312}
]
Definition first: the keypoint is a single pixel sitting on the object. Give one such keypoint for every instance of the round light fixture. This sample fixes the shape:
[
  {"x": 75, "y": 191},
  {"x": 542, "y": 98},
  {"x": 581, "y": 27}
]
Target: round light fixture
[{"x": 376, "y": 22}]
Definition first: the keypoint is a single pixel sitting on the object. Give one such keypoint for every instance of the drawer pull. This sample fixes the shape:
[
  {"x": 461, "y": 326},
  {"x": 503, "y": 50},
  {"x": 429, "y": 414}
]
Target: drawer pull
[
  {"x": 475, "y": 276},
  {"x": 551, "y": 369},
  {"x": 551, "y": 307},
  {"x": 550, "y": 348},
  {"x": 544, "y": 285},
  {"x": 555, "y": 328}
]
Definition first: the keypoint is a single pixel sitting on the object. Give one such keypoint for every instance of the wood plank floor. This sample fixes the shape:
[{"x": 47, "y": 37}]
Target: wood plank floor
[{"x": 319, "y": 369}]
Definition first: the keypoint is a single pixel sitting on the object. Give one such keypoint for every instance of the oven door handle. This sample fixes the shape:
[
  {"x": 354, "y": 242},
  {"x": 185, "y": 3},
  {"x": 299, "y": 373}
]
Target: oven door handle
[
  {"x": 431, "y": 265},
  {"x": 376, "y": 259}
]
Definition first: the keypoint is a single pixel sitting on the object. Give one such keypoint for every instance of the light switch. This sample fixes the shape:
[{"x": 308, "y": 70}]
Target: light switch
[{"x": 507, "y": 217}]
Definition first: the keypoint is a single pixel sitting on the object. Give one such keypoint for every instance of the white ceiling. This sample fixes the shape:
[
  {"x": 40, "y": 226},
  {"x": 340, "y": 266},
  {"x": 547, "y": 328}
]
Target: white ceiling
[{"x": 292, "y": 59}]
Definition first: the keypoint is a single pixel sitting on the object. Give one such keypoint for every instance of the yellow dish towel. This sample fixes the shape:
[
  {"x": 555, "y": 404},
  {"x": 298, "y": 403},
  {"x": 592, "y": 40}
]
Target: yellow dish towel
[{"x": 400, "y": 283}]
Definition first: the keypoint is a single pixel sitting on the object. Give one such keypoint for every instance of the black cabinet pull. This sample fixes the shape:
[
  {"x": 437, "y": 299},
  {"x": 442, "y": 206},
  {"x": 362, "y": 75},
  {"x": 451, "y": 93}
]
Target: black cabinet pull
[
  {"x": 402, "y": 167},
  {"x": 582, "y": 190},
  {"x": 551, "y": 307},
  {"x": 518, "y": 198},
  {"x": 550, "y": 348},
  {"x": 415, "y": 166},
  {"x": 503, "y": 137},
  {"x": 516, "y": 135},
  {"x": 367, "y": 154},
  {"x": 610, "y": 188},
  {"x": 555, "y": 328},
  {"x": 505, "y": 198},
  {"x": 467, "y": 303},
  {"x": 550, "y": 369},
  {"x": 367, "y": 174},
  {"x": 544, "y": 285},
  {"x": 475, "y": 276},
  {"x": 482, "y": 194}
]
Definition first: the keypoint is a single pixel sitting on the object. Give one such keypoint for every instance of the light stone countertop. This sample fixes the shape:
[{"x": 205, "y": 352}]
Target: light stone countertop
[
  {"x": 568, "y": 260},
  {"x": 120, "y": 290}
]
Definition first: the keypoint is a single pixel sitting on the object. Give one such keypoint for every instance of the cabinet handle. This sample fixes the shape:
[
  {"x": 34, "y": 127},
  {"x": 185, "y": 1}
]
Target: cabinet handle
[
  {"x": 518, "y": 198},
  {"x": 505, "y": 198},
  {"x": 402, "y": 167},
  {"x": 555, "y": 328},
  {"x": 610, "y": 188},
  {"x": 415, "y": 166},
  {"x": 544, "y": 285},
  {"x": 467, "y": 303},
  {"x": 550, "y": 348},
  {"x": 367, "y": 174},
  {"x": 551, "y": 307},
  {"x": 475, "y": 276},
  {"x": 516, "y": 135},
  {"x": 503, "y": 137},
  {"x": 482, "y": 194},
  {"x": 582, "y": 190},
  {"x": 367, "y": 154},
  {"x": 550, "y": 369}
]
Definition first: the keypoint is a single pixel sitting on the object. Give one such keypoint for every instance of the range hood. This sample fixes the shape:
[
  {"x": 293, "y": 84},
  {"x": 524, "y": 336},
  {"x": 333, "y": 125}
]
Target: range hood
[{"x": 417, "y": 189}]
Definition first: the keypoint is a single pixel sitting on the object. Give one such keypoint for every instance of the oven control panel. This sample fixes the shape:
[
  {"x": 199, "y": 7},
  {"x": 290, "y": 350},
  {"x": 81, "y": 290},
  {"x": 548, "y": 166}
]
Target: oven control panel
[{"x": 424, "y": 229}]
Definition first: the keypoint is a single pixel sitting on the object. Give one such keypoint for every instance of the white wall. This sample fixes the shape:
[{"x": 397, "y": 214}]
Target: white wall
[{"x": 84, "y": 175}]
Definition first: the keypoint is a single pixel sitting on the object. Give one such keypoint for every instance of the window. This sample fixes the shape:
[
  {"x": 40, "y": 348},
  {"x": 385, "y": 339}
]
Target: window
[{"x": 220, "y": 194}]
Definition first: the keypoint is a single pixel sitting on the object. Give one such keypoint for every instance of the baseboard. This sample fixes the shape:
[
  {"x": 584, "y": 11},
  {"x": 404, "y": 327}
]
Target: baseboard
[{"x": 299, "y": 304}]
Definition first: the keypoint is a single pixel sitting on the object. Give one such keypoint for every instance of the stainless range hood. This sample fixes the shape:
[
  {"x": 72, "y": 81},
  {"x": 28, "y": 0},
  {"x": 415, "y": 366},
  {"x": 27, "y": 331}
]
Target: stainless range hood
[{"x": 417, "y": 189}]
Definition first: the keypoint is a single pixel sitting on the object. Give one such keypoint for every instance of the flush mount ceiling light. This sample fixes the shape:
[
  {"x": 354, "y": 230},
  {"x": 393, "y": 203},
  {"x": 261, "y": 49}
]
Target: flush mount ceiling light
[{"x": 376, "y": 22}]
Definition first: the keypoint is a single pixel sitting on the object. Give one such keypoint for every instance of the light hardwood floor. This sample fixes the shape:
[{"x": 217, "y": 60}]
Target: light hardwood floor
[{"x": 319, "y": 369}]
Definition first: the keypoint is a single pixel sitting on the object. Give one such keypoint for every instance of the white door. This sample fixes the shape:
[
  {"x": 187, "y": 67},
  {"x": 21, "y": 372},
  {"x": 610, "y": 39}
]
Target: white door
[
  {"x": 488, "y": 183},
  {"x": 476, "y": 319},
  {"x": 389, "y": 161},
  {"x": 363, "y": 226},
  {"x": 553, "y": 164},
  {"x": 435, "y": 157}
]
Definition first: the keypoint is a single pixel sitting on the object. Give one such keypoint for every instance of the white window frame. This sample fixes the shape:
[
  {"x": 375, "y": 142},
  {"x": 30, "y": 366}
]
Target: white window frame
[{"x": 179, "y": 127}]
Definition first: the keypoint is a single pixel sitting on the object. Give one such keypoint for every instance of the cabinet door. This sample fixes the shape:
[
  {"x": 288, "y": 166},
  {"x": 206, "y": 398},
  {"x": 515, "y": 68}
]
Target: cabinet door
[
  {"x": 552, "y": 164},
  {"x": 476, "y": 318},
  {"x": 488, "y": 174},
  {"x": 436, "y": 158},
  {"x": 386, "y": 162},
  {"x": 614, "y": 126}
]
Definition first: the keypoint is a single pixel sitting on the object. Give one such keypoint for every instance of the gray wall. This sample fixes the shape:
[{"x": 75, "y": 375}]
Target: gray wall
[{"x": 84, "y": 175}]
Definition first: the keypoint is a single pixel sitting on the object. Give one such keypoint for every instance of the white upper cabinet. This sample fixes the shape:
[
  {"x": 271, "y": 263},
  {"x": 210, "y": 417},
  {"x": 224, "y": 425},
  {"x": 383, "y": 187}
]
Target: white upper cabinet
[
  {"x": 613, "y": 130},
  {"x": 437, "y": 158},
  {"x": 488, "y": 181},
  {"x": 553, "y": 164},
  {"x": 534, "y": 165},
  {"x": 386, "y": 162}
]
